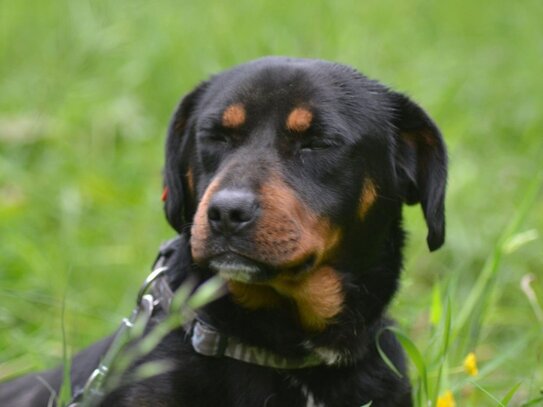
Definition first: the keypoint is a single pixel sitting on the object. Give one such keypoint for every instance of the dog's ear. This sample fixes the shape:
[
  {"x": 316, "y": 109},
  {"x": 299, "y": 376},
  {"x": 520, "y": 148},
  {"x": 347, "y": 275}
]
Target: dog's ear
[
  {"x": 178, "y": 142},
  {"x": 421, "y": 165}
]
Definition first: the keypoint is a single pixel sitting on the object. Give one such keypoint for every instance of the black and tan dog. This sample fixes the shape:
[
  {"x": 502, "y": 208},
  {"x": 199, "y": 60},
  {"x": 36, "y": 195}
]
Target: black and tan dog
[{"x": 287, "y": 177}]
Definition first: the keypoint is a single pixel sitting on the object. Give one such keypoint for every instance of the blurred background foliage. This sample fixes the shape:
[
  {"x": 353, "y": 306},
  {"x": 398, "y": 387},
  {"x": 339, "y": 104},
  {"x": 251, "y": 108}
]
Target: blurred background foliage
[{"x": 86, "y": 91}]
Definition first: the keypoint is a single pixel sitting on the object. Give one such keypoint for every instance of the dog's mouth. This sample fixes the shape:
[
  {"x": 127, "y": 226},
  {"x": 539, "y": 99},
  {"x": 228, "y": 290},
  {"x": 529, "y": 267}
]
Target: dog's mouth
[
  {"x": 237, "y": 267},
  {"x": 232, "y": 266}
]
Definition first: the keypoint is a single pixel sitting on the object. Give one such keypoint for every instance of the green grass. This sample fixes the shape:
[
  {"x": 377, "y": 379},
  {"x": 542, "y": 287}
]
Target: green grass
[{"x": 86, "y": 90}]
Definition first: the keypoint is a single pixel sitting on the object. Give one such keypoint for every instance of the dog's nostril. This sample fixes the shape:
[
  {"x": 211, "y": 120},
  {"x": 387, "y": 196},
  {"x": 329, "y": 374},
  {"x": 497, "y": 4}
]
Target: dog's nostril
[
  {"x": 214, "y": 214},
  {"x": 237, "y": 216},
  {"x": 242, "y": 215}
]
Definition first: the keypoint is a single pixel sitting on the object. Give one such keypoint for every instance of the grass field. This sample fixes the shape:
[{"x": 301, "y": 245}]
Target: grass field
[{"x": 86, "y": 90}]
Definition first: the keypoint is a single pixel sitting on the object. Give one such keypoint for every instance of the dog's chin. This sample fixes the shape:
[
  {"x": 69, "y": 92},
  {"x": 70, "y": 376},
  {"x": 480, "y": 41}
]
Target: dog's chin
[{"x": 234, "y": 267}]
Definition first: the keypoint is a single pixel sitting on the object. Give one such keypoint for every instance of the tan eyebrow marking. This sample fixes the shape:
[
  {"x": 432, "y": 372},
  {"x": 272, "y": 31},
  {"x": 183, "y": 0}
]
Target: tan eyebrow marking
[
  {"x": 299, "y": 119},
  {"x": 234, "y": 116}
]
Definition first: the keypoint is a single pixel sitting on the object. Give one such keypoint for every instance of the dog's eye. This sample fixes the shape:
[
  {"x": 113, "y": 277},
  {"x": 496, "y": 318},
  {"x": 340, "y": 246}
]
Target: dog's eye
[
  {"x": 217, "y": 137},
  {"x": 315, "y": 145}
]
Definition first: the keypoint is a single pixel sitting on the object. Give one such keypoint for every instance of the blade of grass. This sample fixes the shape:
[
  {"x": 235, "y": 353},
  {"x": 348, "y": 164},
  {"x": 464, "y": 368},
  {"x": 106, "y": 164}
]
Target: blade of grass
[
  {"x": 182, "y": 306},
  {"x": 444, "y": 349},
  {"x": 533, "y": 402},
  {"x": 509, "y": 395},
  {"x": 492, "y": 263},
  {"x": 207, "y": 292},
  {"x": 150, "y": 369},
  {"x": 65, "y": 392},
  {"x": 447, "y": 328},
  {"x": 526, "y": 287},
  {"x": 520, "y": 239},
  {"x": 436, "y": 309},
  {"x": 52, "y": 393},
  {"x": 487, "y": 393},
  {"x": 416, "y": 357},
  {"x": 384, "y": 356}
]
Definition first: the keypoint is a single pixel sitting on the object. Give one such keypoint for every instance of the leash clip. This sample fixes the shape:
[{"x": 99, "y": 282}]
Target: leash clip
[{"x": 151, "y": 278}]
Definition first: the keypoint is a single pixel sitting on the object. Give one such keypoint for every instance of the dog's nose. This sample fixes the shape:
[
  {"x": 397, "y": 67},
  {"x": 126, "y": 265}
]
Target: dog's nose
[{"x": 231, "y": 210}]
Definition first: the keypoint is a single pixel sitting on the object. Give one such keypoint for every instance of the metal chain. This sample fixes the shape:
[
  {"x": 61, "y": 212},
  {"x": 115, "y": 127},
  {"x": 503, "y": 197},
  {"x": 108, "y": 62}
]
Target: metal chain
[{"x": 93, "y": 391}]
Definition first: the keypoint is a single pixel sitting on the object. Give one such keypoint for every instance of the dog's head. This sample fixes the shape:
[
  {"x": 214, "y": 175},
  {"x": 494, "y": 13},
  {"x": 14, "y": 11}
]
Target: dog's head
[{"x": 283, "y": 168}]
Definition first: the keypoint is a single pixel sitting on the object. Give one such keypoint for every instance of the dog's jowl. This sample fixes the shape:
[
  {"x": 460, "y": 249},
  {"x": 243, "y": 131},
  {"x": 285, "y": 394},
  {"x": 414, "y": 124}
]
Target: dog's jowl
[{"x": 287, "y": 178}]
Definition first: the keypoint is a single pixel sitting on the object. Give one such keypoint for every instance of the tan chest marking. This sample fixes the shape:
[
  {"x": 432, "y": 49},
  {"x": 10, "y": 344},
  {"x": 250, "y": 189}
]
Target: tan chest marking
[{"x": 318, "y": 296}]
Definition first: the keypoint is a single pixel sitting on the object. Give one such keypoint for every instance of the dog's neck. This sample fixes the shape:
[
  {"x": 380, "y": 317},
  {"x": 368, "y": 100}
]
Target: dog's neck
[{"x": 349, "y": 334}]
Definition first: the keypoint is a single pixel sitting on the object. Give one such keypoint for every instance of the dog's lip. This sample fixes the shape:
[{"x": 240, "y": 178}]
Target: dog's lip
[{"x": 234, "y": 266}]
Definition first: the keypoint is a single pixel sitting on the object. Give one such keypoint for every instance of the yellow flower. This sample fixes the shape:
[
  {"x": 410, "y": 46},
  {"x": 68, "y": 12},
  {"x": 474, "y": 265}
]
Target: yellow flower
[
  {"x": 470, "y": 364},
  {"x": 446, "y": 400}
]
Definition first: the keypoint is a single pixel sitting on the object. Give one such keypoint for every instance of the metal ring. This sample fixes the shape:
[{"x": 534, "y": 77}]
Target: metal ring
[{"x": 156, "y": 273}]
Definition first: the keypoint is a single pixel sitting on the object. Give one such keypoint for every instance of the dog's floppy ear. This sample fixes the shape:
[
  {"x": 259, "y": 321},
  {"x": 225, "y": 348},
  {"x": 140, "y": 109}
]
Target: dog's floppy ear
[
  {"x": 421, "y": 165},
  {"x": 176, "y": 205}
]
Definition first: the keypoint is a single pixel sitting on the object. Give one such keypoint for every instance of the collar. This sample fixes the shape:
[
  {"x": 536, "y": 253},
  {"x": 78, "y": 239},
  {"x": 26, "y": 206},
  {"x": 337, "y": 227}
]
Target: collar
[{"x": 206, "y": 339}]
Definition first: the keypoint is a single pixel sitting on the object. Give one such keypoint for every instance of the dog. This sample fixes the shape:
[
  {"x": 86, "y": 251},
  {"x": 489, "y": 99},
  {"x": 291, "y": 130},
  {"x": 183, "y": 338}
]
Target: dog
[{"x": 287, "y": 178}]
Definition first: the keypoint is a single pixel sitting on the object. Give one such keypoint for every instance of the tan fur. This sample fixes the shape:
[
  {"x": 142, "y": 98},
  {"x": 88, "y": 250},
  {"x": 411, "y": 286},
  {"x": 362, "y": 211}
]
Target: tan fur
[
  {"x": 317, "y": 296},
  {"x": 288, "y": 232},
  {"x": 367, "y": 198},
  {"x": 255, "y": 296},
  {"x": 190, "y": 181},
  {"x": 200, "y": 226},
  {"x": 234, "y": 116},
  {"x": 299, "y": 119}
]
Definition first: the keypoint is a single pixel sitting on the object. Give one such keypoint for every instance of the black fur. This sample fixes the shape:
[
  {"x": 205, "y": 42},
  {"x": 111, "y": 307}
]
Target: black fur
[{"x": 360, "y": 130}]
